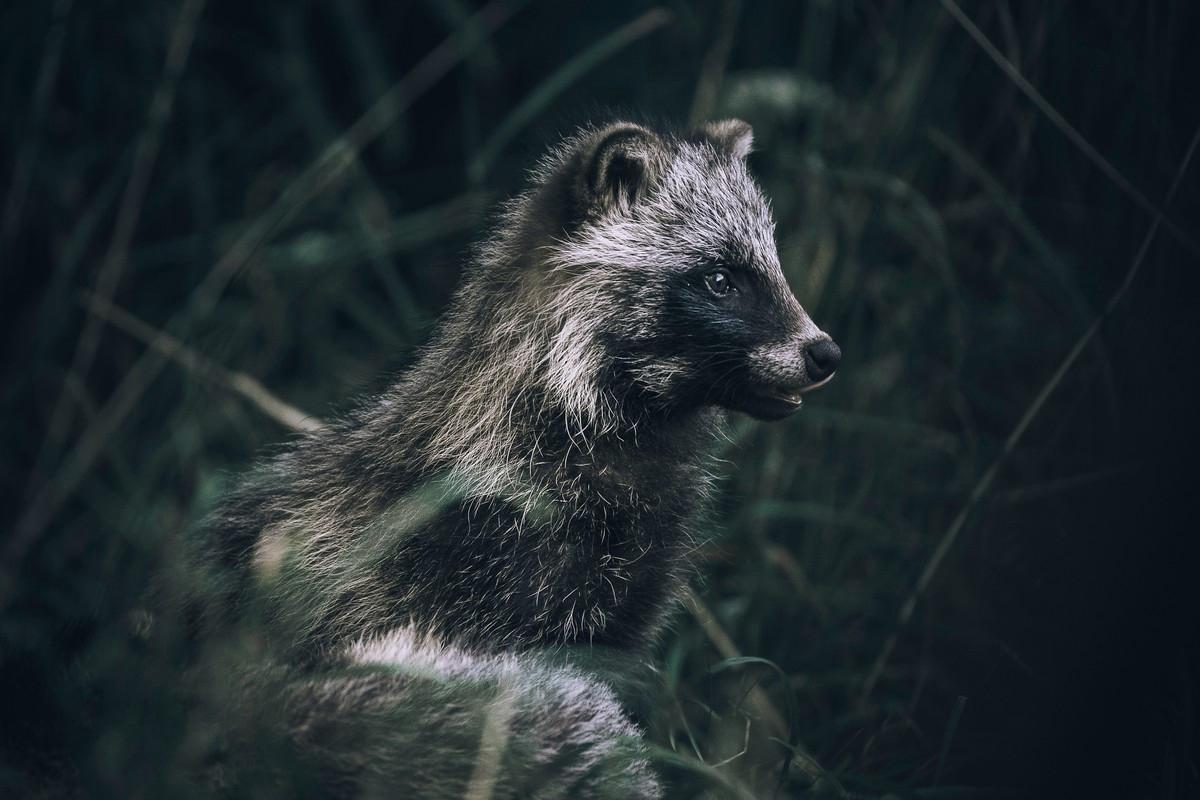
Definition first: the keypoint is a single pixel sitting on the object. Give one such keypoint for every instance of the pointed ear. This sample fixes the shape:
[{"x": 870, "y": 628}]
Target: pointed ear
[
  {"x": 732, "y": 135},
  {"x": 618, "y": 167}
]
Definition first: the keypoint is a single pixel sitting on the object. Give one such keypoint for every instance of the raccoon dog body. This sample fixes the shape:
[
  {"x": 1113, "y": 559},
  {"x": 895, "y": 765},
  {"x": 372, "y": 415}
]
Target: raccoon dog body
[{"x": 532, "y": 481}]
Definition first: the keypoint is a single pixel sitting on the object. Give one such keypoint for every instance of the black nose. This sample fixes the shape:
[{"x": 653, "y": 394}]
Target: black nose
[{"x": 821, "y": 359}]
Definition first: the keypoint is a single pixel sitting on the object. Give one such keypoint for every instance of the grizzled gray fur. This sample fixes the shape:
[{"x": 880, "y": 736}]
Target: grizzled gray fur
[
  {"x": 534, "y": 480},
  {"x": 408, "y": 716}
]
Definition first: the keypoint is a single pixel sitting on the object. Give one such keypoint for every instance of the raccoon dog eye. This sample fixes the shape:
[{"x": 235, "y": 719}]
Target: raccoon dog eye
[{"x": 718, "y": 283}]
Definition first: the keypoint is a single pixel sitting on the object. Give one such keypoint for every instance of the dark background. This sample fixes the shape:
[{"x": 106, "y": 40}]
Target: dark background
[{"x": 953, "y": 237}]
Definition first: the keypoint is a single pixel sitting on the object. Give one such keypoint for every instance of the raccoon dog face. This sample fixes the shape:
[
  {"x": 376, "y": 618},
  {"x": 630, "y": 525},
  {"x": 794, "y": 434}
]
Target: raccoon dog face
[{"x": 674, "y": 257}]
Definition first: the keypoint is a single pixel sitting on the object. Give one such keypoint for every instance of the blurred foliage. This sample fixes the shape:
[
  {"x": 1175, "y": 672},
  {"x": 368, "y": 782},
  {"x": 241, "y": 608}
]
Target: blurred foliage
[{"x": 954, "y": 241}]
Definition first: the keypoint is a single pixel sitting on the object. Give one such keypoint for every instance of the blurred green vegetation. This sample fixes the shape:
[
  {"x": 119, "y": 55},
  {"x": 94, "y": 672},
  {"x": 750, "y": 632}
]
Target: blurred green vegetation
[{"x": 227, "y": 173}]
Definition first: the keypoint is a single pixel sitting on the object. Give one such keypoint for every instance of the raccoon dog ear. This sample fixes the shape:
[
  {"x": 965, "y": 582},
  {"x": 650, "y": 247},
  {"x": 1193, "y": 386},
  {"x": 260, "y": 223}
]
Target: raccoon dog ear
[
  {"x": 732, "y": 135},
  {"x": 619, "y": 166}
]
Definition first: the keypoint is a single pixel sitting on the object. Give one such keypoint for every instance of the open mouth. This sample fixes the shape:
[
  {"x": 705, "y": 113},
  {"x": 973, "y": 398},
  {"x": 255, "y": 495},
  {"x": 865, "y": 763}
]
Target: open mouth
[
  {"x": 816, "y": 385},
  {"x": 793, "y": 396},
  {"x": 777, "y": 402}
]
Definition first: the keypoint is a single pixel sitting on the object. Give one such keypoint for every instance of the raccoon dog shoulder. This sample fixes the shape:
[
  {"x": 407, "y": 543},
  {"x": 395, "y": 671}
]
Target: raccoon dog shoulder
[{"x": 533, "y": 479}]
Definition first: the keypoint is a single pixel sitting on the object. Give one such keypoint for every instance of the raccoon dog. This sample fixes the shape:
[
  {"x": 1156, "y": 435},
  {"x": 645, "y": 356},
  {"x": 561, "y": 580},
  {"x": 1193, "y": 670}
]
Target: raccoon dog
[{"x": 531, "y": 483}]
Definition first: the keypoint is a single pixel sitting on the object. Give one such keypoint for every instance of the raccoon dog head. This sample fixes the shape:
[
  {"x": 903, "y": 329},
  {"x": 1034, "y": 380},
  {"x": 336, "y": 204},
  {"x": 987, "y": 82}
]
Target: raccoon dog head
[{"x": 670, "y": 254}]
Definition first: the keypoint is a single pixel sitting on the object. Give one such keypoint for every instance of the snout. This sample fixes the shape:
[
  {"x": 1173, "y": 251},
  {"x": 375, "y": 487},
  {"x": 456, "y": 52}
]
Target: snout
[
  {"x": 780, "y": 374},
  {"x": 821, "y": 359}
]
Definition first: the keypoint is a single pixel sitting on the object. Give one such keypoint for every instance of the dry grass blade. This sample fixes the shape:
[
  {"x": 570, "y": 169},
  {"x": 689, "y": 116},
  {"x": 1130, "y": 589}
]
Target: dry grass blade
[
  {"x": 712, "y": 72},
  {"x": 341, "y": 155},
  {"x": 779, "y": 726},
  {"x": 321, "y": 173},
  {"x": 240, "y": 383},
  {"x": 179, "y": 47},
  {"x": 948, "y": 738},
  {"x": 371, "y": 210},
  {"x": 27, "y": 153},
  {"x": 989, "y": 476},
  {"x": 725, "y": 646},
  {"x": 552, "y": 87},
  {"x": 1068, "y": 130}
]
